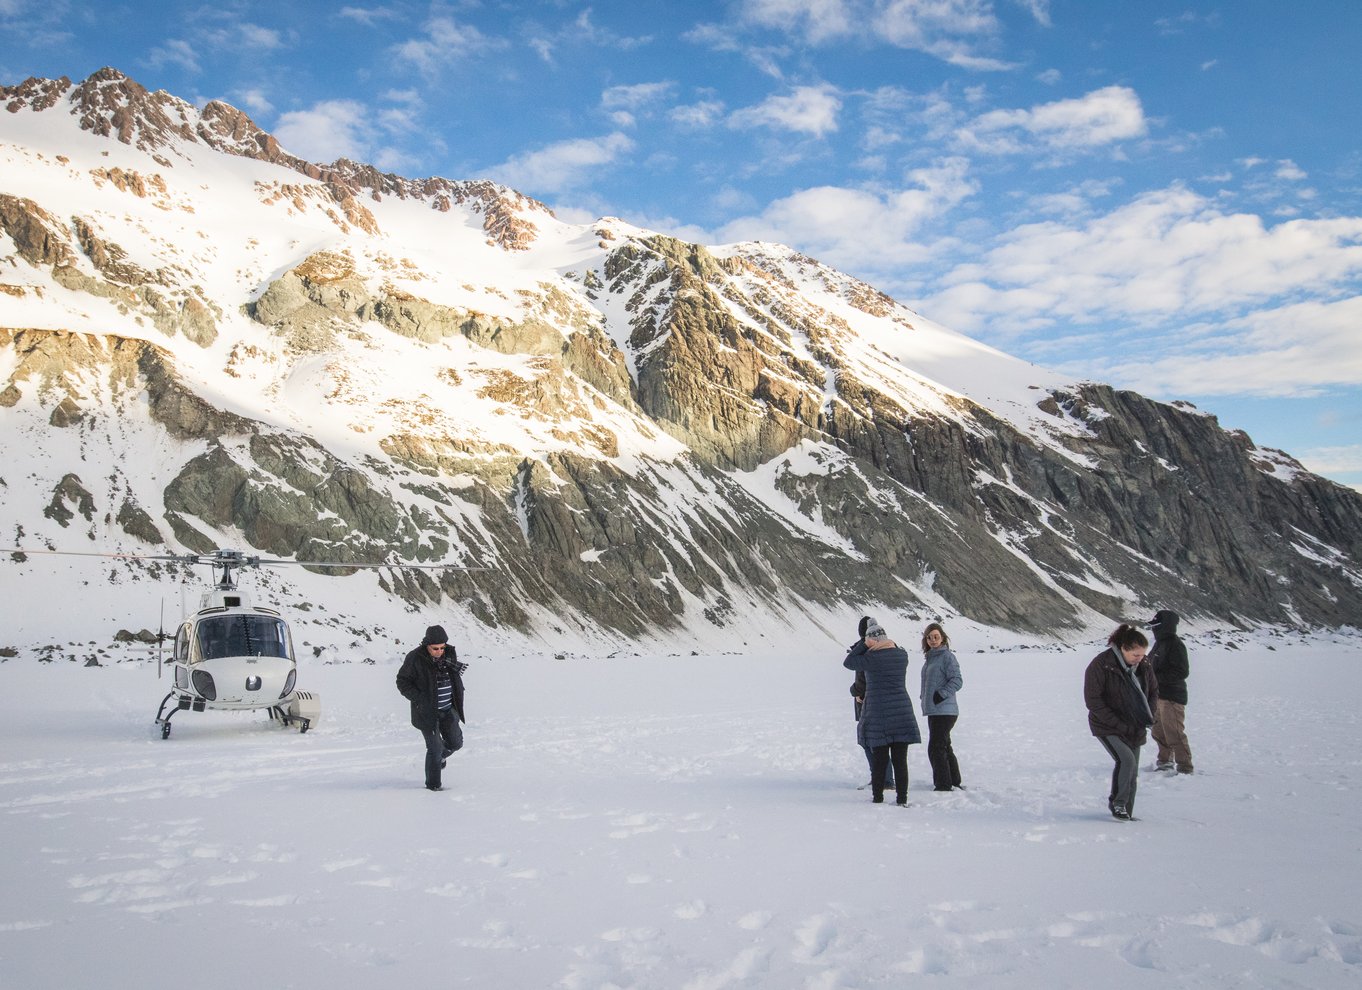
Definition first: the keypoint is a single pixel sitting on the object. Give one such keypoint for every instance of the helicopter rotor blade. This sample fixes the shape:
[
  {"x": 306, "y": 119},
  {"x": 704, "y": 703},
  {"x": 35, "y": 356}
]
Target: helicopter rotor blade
[
  {"x": 373, "y": 567},
  {"x": 235, "y": 559},
  {"x": 184, "y": 558}
]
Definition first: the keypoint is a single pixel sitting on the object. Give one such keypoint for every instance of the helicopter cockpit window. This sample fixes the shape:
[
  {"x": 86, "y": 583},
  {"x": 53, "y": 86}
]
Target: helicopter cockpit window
[{"x": 242, "y": 636}]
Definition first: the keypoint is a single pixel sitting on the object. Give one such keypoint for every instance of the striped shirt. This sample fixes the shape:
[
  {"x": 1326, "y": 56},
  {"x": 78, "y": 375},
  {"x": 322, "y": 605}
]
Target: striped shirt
[{"x": 444, "y": 688}]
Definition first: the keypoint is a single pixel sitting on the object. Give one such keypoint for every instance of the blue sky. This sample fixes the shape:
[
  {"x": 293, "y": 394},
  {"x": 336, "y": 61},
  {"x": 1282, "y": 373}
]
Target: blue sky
[{"x": 1165, "y": 196}]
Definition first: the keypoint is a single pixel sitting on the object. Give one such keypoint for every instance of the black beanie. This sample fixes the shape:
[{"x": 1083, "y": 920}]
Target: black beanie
[
  {"x": 860, "y": 627},
  {"x": 435, "y": 635}
]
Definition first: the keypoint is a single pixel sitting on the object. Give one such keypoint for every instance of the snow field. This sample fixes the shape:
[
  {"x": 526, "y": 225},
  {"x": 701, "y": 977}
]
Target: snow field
[{"x": 688, "y": 822}]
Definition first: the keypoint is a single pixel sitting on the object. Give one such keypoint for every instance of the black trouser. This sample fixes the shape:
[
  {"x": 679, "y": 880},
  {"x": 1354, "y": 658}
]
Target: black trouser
[
  {"x": 445, "y": 738},
  {"x": 945, "y": 771},
  {"x": 870, "y": 762},
  {"x": 881, "y": 756}
]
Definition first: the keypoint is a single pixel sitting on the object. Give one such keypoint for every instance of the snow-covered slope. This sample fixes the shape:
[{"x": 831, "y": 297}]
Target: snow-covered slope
[{"x": 680, "y": 822}]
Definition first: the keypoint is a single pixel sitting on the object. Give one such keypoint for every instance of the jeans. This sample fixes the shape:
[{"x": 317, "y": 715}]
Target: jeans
[
  {"x": 1126, "y": 772},
  {"x": 441, "y": 741},
  {"x": 945, "y": 770}
]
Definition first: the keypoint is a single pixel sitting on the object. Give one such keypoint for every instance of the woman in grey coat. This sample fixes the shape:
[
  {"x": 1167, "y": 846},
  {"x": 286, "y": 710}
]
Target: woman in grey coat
[
  {"x": 888, "y": 725},
  {"x": 940, "y": 681}
]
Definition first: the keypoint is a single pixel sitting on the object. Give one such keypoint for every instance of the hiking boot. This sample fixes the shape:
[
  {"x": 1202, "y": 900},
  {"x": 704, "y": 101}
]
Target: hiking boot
[{"x": 1119, "y": 812}]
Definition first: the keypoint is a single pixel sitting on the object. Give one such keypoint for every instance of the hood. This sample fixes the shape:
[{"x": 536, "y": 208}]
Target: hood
[{"x": 1164, "y": 624}]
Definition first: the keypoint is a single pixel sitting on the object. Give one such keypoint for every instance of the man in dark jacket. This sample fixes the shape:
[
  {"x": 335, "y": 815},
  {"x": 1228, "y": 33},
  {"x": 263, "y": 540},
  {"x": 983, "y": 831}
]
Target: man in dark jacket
[
  {"x": 430, "y": 679},
  {"x": 1169, "y": 659}
]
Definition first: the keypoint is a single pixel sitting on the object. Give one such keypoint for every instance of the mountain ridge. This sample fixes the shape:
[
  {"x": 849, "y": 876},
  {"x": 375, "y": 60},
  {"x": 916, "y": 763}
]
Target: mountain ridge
[{"x": 631, "y": 432}]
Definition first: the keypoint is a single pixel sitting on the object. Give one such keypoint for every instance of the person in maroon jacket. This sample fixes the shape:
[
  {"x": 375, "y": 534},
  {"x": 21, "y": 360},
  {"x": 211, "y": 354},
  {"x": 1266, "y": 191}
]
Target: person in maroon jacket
[{"x": 1121, "y": 694}]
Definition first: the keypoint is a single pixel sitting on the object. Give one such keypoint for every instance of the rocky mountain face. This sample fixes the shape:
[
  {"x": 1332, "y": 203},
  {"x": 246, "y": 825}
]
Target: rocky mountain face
[{"x": 206, "y": 341}]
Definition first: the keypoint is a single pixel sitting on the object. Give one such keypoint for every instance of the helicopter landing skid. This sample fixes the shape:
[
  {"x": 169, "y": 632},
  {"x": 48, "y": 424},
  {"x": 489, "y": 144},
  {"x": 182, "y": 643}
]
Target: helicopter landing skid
[
  {"x": 163, "y": 717},
  {"x": 284, "y": 718},
  {"x": 303, "y": 709}
]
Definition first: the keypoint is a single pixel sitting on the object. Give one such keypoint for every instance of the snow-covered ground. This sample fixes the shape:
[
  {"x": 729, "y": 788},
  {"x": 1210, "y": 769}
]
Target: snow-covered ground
[{"x": 677, "y": 821}]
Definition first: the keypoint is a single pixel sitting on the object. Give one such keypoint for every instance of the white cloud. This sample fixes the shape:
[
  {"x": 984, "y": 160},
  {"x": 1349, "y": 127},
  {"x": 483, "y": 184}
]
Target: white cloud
[
  {"x": 562, "y": 165},
  {"x": 254, "y": 100},
  {"x": 637, "y": 96},
  {"x": 176, "y": 51},
  {"x": 946, "y": 29},
  {"x": 1289, "y": 170},
  {"x": 1333, "y": 461},
  {"x": 951, "y": 30},
  {"x": 1290, "y": 351},
  {"x": 816, "y": 20},
  {"x": 331, "y": 129},
  {"x": 253, "y": 36},
  {"x": 1039, "y": 9},
  {"x": 864, "y": 230},
  {"x": 626, "y": 102},
  {"x": 368, "y": 16},
  {"x": 808, "y": 110},
  {"x": 445, "y": 42},
  {"x": 1101, "y": 117},
  {"x": 700, "y": 116},
  {"x": 1236, "y": 306}
]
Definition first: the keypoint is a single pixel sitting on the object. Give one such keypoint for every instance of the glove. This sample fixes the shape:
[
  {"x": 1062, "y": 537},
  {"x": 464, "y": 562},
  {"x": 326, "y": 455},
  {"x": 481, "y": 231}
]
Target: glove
[
  {"x": 460, "y": 666},
  {"x": 938, "y": 697}
]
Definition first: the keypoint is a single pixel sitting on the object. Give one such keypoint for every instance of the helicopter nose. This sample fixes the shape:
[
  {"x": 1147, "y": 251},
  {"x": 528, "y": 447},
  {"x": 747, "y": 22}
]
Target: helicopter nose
[{"x": 253, "y": 684}]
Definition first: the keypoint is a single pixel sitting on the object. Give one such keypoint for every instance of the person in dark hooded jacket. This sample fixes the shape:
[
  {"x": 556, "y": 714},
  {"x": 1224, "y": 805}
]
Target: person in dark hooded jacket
[
  {"x": 430, "y": 678},
  {"x": 1169, "y": 659},
  {"x": 1121, "y": 694}
]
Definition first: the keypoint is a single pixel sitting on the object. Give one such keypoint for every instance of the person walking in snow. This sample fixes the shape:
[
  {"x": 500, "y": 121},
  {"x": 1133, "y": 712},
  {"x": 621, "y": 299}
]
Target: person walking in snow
[
  {"x": 940, "y": 681},
  {"x": 1169, "y": 660},
  {"x": 430, "y": 678},
  {"x": 888, "y": 725},
  {"x": 1121, "y": 693},
  {"x": 858, "y": 694}
]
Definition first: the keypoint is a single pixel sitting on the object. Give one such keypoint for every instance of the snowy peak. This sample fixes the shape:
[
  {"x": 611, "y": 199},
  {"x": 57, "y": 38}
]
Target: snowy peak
[{"x": 111, "y": 104}]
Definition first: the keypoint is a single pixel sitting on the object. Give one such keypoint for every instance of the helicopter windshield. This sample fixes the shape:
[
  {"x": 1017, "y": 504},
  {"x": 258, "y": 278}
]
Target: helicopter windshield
[{"x": 242, "y": 635}]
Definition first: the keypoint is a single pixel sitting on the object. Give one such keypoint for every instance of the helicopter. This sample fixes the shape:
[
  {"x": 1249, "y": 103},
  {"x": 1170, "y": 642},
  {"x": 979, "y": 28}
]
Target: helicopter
[{"x": 231, "y": 654}]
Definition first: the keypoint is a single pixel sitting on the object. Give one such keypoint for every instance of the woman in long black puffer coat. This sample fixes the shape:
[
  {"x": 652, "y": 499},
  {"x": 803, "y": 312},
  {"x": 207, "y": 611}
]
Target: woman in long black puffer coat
[{"x": 888, "y": 725}]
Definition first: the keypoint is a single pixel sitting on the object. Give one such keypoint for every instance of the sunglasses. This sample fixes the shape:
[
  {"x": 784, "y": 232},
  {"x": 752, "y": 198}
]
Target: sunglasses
[{"x": 432, "y": 646}]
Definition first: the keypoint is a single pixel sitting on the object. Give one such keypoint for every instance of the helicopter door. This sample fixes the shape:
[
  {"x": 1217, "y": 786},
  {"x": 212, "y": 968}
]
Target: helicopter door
[{"x": 182, "y": 656}]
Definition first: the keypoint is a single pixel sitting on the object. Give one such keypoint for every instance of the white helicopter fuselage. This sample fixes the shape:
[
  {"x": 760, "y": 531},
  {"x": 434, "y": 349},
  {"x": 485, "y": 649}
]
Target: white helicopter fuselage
[{"x": 233, "y": 655}]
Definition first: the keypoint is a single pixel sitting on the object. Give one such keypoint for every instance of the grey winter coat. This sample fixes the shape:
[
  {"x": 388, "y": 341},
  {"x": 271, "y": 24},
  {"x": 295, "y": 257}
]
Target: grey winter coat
[
  {"x": 888, "y": 713},
  {"x": 940, "y": 675}
]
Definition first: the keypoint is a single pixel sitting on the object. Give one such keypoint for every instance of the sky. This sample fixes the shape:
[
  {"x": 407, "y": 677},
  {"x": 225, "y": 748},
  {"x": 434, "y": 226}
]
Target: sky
[{"x": 1163, "y": 196}]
